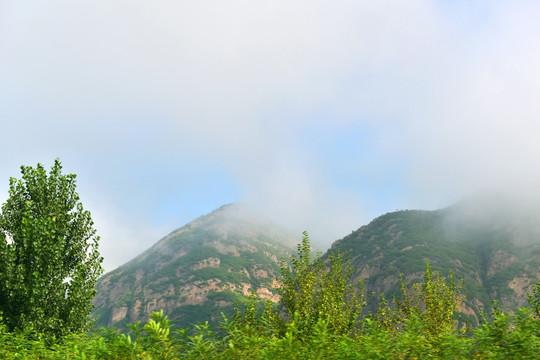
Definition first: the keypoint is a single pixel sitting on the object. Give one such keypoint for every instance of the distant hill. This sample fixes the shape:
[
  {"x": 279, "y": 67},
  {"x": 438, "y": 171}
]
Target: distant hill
[
  {"x": 491, "y": 243},
  {"x": 197, "y": 271}
]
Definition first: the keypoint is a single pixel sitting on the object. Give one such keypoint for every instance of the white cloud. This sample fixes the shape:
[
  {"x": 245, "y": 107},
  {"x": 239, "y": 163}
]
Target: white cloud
[
  {"x": 447, "y": 91},
  {"x": 121, "y": 238}
]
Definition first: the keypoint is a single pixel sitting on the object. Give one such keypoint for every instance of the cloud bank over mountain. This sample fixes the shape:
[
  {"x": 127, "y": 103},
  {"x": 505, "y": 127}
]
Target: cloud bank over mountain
[{"x": 322, "y": 114}]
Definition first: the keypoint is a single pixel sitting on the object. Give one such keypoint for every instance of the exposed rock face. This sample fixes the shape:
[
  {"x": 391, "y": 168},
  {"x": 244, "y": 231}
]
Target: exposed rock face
[
  {"x": 496, "y": 252},
  {"x": 119, "y": 313},
  {"x": 197, "y": 271}
]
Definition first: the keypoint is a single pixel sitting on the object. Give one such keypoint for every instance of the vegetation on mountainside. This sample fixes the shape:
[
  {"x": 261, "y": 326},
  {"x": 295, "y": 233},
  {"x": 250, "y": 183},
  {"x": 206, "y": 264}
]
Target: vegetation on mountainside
[
  {"x": 193, "y": 272},
  {"x": 497, "y": 260},
  {"x": 495, "y": 255}
]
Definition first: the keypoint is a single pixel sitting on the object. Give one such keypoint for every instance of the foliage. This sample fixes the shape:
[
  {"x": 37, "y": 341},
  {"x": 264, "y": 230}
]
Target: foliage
[
  {"x": 218, "y": 255},
  {"x": 310, "y": 291},
  {"x": 470, "y": 245},
  {"x": 48, "y": 254},
  {"x": 420, "y": 324},
  {"x": 508, "y": 336},
  {"x": 433, "y": 302},
  {"x": 246, "y": 337},
  {"x": 534, "y": 300}
]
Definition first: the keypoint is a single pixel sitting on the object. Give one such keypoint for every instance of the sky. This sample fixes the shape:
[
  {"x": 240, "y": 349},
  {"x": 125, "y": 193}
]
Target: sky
[{"x": 321, "y": 115}]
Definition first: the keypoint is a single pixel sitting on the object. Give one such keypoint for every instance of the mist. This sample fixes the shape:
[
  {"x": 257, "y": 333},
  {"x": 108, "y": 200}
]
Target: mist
[{"x": 319, "y": 115}]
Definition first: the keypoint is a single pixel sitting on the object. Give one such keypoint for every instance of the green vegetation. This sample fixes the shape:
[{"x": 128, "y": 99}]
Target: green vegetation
[
  {"x": 48, "y": 255},
  {"x": 227, "y": 250},
  {"x": 421, "y": 323},
  {"x": 311, "y": 292},
  {"x": 49, "y": 264},
  {"x": 489, "y": 253}
]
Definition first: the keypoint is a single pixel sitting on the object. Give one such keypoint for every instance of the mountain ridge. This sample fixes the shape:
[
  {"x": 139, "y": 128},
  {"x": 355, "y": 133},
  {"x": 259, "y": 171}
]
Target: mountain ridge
[
  {"x": 498, "y": 257},
  {"x": 200, "y": 268}
]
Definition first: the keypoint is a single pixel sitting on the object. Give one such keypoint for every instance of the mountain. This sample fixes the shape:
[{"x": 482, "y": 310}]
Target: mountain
[
  {"x": 491, "y": 243},
  {"x": 196, "y": 272}
]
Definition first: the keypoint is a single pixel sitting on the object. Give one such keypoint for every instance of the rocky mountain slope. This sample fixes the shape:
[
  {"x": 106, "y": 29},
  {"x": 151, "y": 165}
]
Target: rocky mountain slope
[
  {"x": 197, "y": 271},
  {"x": 491, "y": 244}
]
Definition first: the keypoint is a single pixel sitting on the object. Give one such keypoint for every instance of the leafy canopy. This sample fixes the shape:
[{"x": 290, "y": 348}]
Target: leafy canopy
[
  {"x": 312, "y": 291},
  {"x": 49, "y": 259}
]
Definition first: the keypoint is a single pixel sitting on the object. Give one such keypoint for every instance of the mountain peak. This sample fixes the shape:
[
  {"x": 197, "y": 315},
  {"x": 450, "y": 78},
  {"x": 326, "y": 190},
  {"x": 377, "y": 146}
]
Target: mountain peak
[
  {"x": 217, "y": 258},
  {"x": 236, "y": 212},
  {"x": 494, "y": 248}
]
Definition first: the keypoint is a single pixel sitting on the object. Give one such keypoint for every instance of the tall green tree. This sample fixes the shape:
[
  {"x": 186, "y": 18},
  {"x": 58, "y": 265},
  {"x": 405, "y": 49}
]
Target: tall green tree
[
  {"x": 534, "y": 300},
  {"x": 312, "y": 291},
  {"x": 49, "y": 259},
  {"x": 433, "y": 302}
]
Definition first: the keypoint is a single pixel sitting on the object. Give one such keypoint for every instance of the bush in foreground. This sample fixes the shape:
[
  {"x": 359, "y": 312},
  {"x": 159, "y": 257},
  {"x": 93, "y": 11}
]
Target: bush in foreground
[{"x": 421, "y": 324}]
